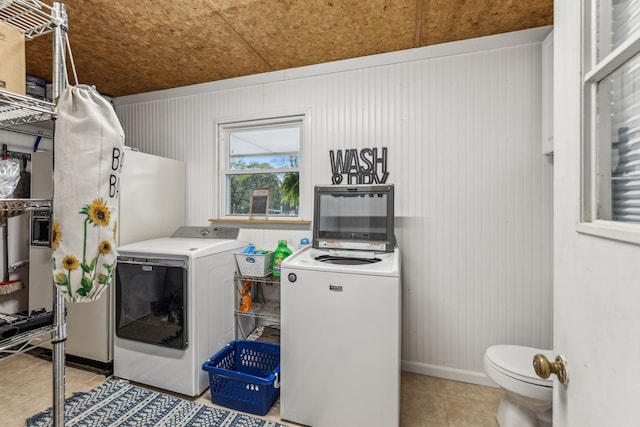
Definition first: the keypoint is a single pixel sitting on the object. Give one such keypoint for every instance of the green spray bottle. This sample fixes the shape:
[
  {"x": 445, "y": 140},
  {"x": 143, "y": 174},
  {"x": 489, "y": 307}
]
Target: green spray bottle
[{"x": 281, "y": 252}]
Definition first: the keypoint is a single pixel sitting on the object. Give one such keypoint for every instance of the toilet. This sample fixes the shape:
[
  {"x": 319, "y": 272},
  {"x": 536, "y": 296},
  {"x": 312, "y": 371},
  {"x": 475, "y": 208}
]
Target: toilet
[{"x": 528, "y": 398}]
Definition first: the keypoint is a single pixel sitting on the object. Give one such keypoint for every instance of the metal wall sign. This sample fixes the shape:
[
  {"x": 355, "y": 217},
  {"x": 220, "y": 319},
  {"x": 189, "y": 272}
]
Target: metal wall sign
[{"x": 365, "y": 166}]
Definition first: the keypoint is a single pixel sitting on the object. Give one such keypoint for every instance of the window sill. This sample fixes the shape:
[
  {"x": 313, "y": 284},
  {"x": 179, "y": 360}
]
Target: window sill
[
  {"x": 266, "y": 224},
  {"x": 620, "y": 231}
]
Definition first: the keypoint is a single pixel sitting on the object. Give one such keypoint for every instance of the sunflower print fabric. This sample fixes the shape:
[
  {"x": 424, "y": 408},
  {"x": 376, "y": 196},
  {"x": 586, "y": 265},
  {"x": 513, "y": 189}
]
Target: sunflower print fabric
[{"x": 89, "y": 143}]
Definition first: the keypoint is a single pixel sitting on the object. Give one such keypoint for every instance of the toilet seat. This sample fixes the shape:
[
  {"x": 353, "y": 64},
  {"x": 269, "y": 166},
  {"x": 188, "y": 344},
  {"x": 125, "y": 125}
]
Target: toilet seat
[
  {"x": 511, "y": 367},
  {"x": 517, "y": 362}
]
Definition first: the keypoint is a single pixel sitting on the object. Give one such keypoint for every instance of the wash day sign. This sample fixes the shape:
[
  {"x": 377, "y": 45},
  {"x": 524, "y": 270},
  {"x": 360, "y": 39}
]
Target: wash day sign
[{"x": 365, "y": 166}]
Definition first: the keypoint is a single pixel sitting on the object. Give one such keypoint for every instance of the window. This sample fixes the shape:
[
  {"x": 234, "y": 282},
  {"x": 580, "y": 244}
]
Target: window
[
  {"x": 261, "y": 154},
  {"x": 611, "y": 88}
]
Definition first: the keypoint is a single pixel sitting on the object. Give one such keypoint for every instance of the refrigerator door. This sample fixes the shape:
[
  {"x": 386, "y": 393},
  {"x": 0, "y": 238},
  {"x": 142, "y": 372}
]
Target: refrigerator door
[
  {"x": 152, "y": 197},
  {"x": 40, "y": 276}
]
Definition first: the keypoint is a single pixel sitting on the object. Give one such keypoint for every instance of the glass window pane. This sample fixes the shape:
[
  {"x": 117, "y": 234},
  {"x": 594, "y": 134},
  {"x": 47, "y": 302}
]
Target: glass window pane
[
  {"x": 263, "y": 153},
  {"x": 619, "y": 143},
  {"x": 283, "y": 188},
  {"x": 617, "y": 20},
  {"x": 263, "y": 148},
  {"x": 270, "y": 162}
]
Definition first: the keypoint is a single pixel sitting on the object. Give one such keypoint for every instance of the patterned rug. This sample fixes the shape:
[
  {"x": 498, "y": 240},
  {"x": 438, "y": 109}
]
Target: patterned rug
[{"x": 117, "y": 403}]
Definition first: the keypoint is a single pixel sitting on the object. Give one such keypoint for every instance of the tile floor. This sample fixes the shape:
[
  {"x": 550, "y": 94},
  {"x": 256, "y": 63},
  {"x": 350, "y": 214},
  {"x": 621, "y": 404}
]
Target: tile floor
[{"x": 26, "y": 389}]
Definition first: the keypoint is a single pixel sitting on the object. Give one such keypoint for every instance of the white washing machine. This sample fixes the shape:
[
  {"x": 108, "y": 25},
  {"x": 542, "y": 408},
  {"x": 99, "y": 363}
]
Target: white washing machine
[
  {"x": 174, "y": 307},
  {"x": 340, "y": 338}
]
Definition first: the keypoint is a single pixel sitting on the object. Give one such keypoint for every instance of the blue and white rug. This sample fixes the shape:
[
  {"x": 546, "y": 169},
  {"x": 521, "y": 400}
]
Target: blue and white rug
[{"x": 117, "y": 403}]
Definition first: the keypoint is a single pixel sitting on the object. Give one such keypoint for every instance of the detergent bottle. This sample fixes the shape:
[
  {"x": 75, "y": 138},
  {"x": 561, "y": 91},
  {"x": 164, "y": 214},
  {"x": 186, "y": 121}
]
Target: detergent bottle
[
  {"x": 246, "y": 302},
  {"x": 281, "y": 252}
]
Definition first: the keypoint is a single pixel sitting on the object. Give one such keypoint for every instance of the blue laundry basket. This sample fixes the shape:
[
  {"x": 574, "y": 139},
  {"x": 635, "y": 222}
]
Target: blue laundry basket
[{"x": 245, "y": 376}]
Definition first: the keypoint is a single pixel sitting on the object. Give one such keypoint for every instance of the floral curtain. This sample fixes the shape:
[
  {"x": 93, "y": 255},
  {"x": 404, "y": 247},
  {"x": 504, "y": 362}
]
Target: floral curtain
[{"x": 89, "y": 142}]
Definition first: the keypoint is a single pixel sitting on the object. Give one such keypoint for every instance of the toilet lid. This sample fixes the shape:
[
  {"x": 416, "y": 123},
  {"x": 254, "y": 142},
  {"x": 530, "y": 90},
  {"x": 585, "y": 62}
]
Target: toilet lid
[{"x": 517, "y": 362}]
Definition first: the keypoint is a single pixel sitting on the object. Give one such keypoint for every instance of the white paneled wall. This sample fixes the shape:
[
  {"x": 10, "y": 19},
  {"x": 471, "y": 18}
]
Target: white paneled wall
[{"x": 473, "y": 192}]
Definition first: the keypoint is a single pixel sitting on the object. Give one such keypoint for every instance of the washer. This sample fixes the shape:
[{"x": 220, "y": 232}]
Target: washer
[
  {"x": 340, "y": 338},
  {"x": 174, "y": 307}
]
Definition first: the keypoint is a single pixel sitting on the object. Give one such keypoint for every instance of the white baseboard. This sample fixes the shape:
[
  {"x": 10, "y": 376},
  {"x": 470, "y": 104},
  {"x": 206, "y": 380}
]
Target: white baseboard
[{"x": 447, "y": 373}]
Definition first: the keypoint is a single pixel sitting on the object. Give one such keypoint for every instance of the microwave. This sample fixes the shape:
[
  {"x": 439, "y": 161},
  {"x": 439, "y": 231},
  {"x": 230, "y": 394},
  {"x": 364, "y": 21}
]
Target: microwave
[{"x": 357, "y": 217}]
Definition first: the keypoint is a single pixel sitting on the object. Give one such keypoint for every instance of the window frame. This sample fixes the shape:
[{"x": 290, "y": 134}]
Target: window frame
[
  {"x": 594, "y": 184},
  {"x": 222, "y": 172}
]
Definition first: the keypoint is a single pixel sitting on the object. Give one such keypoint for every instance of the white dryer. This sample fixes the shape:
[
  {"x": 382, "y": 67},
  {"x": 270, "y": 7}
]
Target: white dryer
[
  {"x": 174, "y": 307},
  {"x": 340, "y": 338}
]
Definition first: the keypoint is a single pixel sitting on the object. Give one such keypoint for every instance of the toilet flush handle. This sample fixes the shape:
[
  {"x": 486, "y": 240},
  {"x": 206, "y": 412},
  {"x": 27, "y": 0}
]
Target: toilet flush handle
[{"x": 544, "y": 368}]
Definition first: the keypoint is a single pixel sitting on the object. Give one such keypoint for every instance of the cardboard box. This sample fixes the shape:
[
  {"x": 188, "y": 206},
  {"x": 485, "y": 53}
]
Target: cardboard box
[{"x": 12, "y": 60}]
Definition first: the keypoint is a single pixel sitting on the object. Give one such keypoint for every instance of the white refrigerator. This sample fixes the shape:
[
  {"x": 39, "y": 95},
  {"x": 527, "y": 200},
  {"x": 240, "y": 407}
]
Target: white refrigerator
[{"x": 152, "y": 204}]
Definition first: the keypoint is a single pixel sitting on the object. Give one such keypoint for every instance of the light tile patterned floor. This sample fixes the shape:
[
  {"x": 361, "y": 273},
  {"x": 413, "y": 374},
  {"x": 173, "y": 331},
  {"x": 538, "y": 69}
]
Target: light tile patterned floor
[{"x": 26, "y": 388}]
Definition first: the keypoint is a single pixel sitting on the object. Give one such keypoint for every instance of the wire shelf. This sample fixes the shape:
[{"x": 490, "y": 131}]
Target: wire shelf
[
  {"x": 270, "y": 310},
  {"x": 32, "y": 17},
  {"x": 35, "y": 18},
  {"x": 20, "y": 109},
  {"x": 14, "y": 207},
  {"x": 26, "y": 341}
]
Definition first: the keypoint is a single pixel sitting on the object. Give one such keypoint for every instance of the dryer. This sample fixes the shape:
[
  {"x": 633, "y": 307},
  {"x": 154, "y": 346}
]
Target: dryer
[
  {"x": 340, "y": 338},
  {"x": 174, "y": 307}
]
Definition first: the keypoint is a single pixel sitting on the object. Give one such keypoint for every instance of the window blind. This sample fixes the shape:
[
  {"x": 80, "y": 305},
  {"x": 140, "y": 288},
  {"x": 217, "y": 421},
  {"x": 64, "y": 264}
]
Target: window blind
[{"x": 625, "y": 117}]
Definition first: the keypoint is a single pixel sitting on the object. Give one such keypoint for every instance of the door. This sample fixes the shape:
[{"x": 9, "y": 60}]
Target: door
[
  {"x": 596, "y": 279},
  {"x": 151, "y": 302}
]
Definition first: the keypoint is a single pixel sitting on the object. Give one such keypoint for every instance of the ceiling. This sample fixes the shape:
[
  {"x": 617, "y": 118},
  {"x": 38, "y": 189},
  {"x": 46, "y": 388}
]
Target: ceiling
[{"x": 129, "y": 47}]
